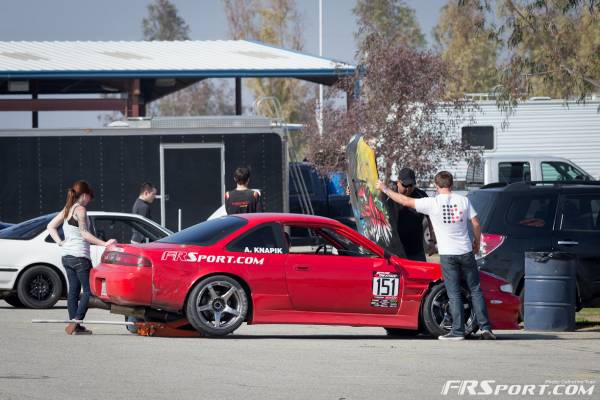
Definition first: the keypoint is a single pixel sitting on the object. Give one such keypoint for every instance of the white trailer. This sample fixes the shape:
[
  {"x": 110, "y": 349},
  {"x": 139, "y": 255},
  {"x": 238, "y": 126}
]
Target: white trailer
[{"x": 537, "y": 127}]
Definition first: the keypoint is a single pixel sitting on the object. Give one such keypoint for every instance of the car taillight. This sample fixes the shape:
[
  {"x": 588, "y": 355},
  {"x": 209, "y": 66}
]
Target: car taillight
[
  {"x": 132, "y": 260},
  {"x": 489, "y": 243}
]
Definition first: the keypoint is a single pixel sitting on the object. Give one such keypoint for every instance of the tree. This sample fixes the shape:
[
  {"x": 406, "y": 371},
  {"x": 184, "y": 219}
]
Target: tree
[
  {"x": 393, "y": 20},
  {"x": 467, "y": 43},
  {"x": 403, "y": 110},
  {"x": 164, "y": 23},
  {"x": 276, "y": 22},
  {"x": 553, "y": 48}
]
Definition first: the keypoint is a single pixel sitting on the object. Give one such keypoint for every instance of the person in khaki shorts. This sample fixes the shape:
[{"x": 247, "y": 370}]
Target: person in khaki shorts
[{"x": 450, "y": 214}]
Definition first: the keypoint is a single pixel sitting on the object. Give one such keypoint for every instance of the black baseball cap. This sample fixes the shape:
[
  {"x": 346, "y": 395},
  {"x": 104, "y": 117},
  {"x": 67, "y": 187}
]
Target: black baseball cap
[{"x": 406, "y": 176}]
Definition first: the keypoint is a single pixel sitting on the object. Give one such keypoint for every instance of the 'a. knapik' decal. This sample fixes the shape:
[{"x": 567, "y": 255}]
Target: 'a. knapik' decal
[{"x": 264, "y": 250}]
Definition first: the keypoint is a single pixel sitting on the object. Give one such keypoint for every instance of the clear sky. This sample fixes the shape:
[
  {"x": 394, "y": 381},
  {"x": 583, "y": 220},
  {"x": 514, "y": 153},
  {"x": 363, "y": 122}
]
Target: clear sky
[{"x": 60, "y": 20}]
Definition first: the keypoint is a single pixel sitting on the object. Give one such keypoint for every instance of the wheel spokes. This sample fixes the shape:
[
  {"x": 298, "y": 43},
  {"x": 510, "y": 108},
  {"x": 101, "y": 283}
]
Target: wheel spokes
[
  {"x": 231, "y": 311},
  {"x": 211, "y": 291},
  {"x": 228, "y": 294},
  {"x": 217, "y": 321}
]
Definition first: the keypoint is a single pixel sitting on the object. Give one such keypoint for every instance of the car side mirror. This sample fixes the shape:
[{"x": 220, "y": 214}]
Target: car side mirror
[{"x": 387, "y": 255}]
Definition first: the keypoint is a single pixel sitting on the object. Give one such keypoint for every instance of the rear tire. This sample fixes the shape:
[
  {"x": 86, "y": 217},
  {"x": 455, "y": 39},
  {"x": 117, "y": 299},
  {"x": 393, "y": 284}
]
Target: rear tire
[
  {"x": 13, "y": 300},
  {"x": 217, "y": 306},
  {"x": 39, "y": 287},
  {"x": 435, "y": 312}
]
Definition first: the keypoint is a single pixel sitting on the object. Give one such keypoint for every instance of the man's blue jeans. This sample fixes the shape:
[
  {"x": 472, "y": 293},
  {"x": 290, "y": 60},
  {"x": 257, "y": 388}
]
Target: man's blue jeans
[
  {"x": 78, "y": 274},
  {"x": 452, "y": 268}
]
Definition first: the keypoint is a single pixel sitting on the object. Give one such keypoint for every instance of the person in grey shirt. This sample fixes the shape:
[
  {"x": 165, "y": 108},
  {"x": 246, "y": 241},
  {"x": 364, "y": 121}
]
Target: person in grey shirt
[{"x": 141, "y": 206}]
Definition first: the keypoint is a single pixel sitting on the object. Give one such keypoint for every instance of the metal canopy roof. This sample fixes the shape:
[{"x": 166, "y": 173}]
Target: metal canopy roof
[{"x": 173, "y": 59}]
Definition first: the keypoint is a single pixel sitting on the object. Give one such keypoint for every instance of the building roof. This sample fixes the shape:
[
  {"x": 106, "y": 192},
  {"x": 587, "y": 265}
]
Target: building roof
[{"x": 162, "y": 59}]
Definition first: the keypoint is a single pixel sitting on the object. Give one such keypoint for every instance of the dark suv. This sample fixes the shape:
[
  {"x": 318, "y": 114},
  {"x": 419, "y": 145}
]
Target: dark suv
[{"x": 541, "y": 216}]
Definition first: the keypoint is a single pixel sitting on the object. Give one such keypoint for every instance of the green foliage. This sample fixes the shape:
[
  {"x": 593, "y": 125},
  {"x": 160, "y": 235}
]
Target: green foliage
[
  {"x": 553, "y": 48},
  {"x": 202, "y": 98},
  {"x": 164, "y": 23},
  {"x": 275, "y": 22},
  {"x": 469, "y": 46},
  {"x": 392, "y": 20}
]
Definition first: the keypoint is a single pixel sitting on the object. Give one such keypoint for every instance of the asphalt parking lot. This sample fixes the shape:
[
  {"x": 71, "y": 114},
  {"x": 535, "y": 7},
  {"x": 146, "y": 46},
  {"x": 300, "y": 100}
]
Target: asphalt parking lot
[{"x": 39, "y": 361}]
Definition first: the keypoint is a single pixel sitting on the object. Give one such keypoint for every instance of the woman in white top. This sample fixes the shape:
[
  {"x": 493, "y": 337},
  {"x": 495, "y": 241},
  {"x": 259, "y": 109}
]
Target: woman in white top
[{"x": 76, "y": 251}]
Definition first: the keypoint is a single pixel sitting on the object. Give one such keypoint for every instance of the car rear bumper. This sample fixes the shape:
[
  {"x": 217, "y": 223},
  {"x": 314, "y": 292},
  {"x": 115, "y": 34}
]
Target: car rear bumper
[{"x": 122, "y": 285}]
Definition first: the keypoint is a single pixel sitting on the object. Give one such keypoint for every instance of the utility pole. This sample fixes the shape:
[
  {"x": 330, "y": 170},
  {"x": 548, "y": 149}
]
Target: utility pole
[{"x": 320, "y": 105}]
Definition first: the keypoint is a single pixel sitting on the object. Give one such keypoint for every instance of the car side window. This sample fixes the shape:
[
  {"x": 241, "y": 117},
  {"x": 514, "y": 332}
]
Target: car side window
[
  {"x": 532, "y": 212},
  {"x": 510, "y": 172},
  {"x": 123, "y": 230},
  {"x": 560, "y": 171},
  {"x": 580, "y": 213},
  {"x": 326, "y": 242},
  {"x": 259, "y": 240},
  {"x": 303, "y": 240}
]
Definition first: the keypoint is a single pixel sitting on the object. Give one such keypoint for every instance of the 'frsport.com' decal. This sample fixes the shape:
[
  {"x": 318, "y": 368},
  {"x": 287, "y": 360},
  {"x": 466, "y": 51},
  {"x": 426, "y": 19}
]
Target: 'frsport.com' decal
[{"x": 192, "y": 256}]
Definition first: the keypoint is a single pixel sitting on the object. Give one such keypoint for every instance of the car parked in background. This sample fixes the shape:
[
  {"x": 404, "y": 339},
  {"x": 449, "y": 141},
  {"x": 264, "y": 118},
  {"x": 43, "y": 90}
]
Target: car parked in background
[
  {"x": 31, "y": 272},
  {"x": 541, "y": 216},
  {"x": 237, "y": 268},
  {"x": 507, "y": 168},
  {"x": 327, "y": 193}
]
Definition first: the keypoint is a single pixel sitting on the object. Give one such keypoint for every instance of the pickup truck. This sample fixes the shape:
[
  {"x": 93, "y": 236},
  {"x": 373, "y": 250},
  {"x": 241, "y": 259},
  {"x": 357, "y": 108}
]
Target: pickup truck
[
  {"x": 327, "y": 193},
  {"x": 516, "y": 168}
]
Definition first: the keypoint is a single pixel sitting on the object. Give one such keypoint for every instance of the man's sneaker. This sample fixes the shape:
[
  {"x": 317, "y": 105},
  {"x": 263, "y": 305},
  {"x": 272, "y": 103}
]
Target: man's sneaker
[
  {"x": 82, "y": 330},
  {"x": 487, "y": 335},
  {"x": 451, "y": 336}
]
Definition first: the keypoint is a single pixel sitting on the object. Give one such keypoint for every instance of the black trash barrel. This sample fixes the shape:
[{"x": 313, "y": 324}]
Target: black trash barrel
[{"x": 549, "y": 291}]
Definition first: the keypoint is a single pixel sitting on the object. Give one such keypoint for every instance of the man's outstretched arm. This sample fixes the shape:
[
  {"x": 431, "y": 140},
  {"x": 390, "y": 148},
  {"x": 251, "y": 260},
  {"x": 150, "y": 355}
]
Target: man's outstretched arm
[{"x": 397, "y": 197}]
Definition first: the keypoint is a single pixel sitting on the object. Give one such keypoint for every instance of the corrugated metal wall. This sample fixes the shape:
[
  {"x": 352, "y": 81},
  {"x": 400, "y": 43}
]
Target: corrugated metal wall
[{"x": 547, "y": 127}]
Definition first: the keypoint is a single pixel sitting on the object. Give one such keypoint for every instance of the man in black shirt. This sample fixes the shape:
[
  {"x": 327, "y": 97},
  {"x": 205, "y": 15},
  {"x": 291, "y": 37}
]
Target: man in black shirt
[
  {"x": 410, "y": 222},
  {"x": 142, "y": 206},
  {"x": 242, "y": 200}
]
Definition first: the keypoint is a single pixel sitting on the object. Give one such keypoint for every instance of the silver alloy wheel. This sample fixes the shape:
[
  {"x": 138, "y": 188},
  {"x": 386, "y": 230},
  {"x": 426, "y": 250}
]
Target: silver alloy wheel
[
  {"x": 440, "y": 309},
  {"x": 220, "y": 305}
]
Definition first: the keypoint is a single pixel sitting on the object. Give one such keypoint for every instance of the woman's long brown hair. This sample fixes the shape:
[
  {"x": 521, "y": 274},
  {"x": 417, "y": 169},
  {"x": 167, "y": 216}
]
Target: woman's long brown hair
[{"x": 78, "y": 188}]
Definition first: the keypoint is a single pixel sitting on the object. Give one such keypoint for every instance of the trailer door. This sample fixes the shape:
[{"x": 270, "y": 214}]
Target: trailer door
[{"x": 192, "y": 182}]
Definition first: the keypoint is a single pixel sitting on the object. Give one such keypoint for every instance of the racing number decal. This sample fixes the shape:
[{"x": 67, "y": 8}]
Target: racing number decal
[{"x": 385, "y": 289}]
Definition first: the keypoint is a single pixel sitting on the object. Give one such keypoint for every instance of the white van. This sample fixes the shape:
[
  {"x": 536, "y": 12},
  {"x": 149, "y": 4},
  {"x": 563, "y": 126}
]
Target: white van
[{"x": 516, "y": 168}]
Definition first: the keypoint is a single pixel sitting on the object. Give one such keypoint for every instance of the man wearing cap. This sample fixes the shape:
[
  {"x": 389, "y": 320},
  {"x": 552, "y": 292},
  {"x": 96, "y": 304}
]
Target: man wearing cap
[{"x": 410, "y": 222}]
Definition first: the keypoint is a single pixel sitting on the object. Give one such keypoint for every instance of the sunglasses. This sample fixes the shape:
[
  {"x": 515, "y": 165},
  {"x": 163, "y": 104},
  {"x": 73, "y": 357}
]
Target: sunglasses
[{"x": 406, "y": 186}]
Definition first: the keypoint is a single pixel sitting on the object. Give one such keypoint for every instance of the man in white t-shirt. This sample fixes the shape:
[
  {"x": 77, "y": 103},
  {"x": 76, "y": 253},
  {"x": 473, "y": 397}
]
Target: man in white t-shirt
[{"x": 449, "y": 214}]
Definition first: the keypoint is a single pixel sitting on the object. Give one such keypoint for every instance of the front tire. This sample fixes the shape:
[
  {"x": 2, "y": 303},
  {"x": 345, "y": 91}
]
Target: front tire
[
  {"x": 39, "y": 287},
  {"x": 13, "y": 300},
  {"x": 217, "y": 306},
  {"x": 436, "y": 316}
]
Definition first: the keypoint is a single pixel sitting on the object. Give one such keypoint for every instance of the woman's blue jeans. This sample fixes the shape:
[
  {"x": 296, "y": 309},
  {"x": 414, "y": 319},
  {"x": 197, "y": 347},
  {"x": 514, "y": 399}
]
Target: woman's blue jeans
[{"x": 78, "y": 274}]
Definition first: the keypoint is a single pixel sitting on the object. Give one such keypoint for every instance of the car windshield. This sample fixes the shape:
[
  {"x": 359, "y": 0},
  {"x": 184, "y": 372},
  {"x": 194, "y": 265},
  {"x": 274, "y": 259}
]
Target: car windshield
[
  {"x": 28, "y": 229},
  {"x": 206, "y": 233}
]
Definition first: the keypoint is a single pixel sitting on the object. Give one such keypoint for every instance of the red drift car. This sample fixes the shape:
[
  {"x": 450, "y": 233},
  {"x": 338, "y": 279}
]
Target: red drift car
[{"x": 225, "y": 271}]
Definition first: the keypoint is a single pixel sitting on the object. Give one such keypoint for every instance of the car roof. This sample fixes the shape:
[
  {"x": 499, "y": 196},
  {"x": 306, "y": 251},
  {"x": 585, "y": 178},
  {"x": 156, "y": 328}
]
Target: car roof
[
  {"x": 524, "y": 157},
  {"x": 591, "y": 186},
  {"x": 287, "y": 217}
]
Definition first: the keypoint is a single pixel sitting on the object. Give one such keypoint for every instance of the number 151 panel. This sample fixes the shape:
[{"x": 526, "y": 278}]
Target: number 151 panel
[{"x": 244, "y": 268}]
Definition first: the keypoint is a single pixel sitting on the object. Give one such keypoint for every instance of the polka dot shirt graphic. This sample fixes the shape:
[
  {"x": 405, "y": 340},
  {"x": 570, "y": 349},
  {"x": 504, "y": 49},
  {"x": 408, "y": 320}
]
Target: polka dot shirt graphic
[{"x": 450, "y": 215}]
